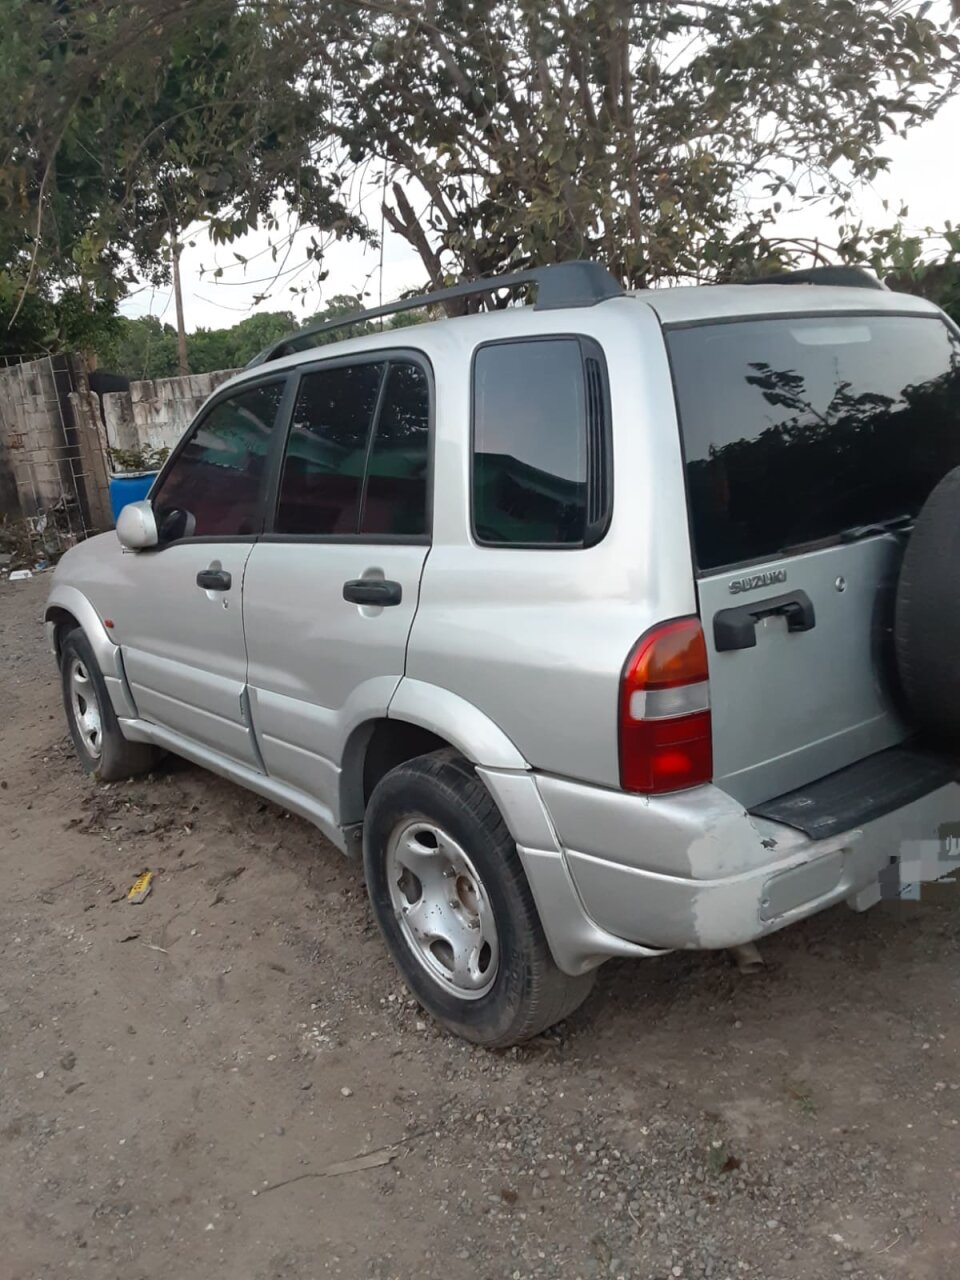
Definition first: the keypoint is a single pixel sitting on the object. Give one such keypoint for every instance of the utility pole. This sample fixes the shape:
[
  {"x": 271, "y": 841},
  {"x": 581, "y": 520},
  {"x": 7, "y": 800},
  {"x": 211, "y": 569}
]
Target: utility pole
[{"x": 175, "y": 250}]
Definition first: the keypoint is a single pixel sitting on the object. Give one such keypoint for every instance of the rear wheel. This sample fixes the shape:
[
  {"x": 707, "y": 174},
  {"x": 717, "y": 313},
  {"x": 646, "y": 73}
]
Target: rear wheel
[
  {"x": 454, "y": 906},
  {"x": 100, "y": 746}
]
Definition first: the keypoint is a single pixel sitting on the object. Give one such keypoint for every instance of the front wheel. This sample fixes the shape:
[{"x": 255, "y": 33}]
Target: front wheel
[
  {"x": 100, "y": 746},
  {"x": 454, "y": 906}
]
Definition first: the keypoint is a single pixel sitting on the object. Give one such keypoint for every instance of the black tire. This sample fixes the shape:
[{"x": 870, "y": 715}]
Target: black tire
[
  {"x": 927, "y": 621},
  {"x": 105, "y": 753},
  {"x": 529, "y": 993}
]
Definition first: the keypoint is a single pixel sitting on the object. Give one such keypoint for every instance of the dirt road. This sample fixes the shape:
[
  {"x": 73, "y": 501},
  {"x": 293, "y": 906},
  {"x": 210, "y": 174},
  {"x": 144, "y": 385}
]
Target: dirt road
[{"x": 181, "y": 1081}]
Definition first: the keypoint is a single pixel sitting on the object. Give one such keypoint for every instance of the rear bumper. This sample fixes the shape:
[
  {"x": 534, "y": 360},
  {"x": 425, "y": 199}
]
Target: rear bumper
[{"x": 616, "y": 874}]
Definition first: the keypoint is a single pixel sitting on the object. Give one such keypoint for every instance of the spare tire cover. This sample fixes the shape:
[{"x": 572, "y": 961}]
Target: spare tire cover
[{"x": 927, "y": 620}]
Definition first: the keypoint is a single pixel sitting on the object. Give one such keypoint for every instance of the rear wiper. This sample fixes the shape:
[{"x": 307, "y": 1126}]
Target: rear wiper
[
  {"x": 855, "y": 533},
  {"x": 893, "y": 525}
]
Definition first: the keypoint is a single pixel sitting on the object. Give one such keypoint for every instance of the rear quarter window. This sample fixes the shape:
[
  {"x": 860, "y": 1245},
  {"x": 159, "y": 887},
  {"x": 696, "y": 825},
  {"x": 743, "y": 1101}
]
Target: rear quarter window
[
  {"x": 540, "y": 447},
  {"x": 796, "y": 429}
]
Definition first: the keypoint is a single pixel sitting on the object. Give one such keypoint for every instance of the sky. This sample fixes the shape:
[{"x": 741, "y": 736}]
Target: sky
[{"x": 923, "y": 175}]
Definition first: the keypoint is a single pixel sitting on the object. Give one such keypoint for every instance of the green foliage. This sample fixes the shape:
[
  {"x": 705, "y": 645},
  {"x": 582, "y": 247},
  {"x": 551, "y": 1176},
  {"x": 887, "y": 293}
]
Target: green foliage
[
  {"x": 148, "y": 458},
  {"x": 146, "y": 348},
  {"x": 123, "y": 123},
  {"x": 662, "y": 139},
  {"x": 926, "y": 265},
  {"x": 141, "y": 348},
  {"x": 73, "y": 320},
  {"x": 210, "y": 349}
]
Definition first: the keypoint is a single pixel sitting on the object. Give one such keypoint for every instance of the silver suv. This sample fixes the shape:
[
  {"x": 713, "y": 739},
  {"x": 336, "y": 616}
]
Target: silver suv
[{"x": 604, "y": 626}]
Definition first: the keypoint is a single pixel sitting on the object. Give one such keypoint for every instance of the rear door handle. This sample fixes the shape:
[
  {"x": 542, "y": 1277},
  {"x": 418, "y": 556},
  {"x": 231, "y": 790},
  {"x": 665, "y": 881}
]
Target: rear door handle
[
  {"x": 214, "y": 580},
  {"x": 737, "y": 628},
  {"x": 376, "y": 591}
]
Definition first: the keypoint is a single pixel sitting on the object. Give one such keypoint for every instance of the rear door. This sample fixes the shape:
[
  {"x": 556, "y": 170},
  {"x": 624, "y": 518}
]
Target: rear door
[
  {"x": 810, "y": 444},
  {"x": 331, "y": 589}
]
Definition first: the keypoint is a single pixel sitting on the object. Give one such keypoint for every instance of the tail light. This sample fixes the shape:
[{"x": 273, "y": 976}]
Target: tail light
[{"x": 665, "y": 731}]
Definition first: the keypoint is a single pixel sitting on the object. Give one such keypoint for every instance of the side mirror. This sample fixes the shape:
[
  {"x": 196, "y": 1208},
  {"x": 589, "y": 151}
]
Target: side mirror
[{"x": 137, "y": 526}]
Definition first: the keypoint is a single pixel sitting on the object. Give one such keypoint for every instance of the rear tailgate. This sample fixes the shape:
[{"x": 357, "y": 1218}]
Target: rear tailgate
[{"x": 810, "y": 442}]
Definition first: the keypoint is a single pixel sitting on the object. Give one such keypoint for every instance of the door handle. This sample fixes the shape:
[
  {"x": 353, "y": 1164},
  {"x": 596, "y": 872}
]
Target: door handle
[
  {"x": 214, "y": 580},
  {"x": 737, "y": 628},
  {"x": 376, "y": 591}
]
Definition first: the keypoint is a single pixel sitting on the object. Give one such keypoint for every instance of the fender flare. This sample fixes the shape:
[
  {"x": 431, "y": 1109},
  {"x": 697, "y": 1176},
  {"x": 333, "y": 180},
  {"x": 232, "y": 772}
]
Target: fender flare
[
  {"x": 445, "y": 715},
  {"x": 462, "y": 724},
  {"x": 69, "y": 601}
]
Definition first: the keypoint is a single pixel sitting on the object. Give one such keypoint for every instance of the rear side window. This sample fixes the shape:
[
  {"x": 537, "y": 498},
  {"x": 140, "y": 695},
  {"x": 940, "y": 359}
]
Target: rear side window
[
  {"x": 395, "y": 498},
  {"x": 214, "y": 486},
  {"x": 323, "y": 469},
  {"x": 797, "y": 430},
  {"x": 539, "y": 443}
]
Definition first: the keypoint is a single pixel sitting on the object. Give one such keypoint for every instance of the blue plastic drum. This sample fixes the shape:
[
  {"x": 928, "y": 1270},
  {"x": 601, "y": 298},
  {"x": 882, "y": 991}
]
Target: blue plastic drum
[{"x": 129, "y": 486}]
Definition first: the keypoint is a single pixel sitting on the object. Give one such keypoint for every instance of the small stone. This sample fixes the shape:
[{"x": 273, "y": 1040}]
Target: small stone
[
  {"x": 41, "y": 1074},
  {"x": 347, "y": 1091},
  {"x": 421, "y": 1026}
]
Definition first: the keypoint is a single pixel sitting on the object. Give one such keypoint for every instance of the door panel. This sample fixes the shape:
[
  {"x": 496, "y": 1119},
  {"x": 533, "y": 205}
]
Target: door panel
[
  {"x": 183, "y": 647},
  {"x": 811, "y": 443},
  {"x": 800, "y": 704},
  {"x": 315, "y": 657},
  {"x": 182, "y": 637},
  {"x": 327, "y": 615}
]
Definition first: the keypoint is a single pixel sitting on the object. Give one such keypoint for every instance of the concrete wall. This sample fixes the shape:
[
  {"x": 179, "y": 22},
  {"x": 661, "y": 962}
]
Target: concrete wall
[
  {"x": 9, "y": 497},
  {"x": 32, "y": 431},
  {"x": 156, "y": 412},
  {"x": 54, "y": 440},
  {"x": 92, "y": 466}
]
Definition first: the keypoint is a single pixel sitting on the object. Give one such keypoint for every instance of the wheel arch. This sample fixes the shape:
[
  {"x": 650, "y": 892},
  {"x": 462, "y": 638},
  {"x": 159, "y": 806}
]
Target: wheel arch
[
  {"x": 58, "y": 622},
  {"x": 67, "y": 605},
  {"x": 421, "y": 718}
]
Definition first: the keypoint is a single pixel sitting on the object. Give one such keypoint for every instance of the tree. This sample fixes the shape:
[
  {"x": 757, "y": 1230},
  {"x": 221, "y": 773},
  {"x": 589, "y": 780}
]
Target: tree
[
  {"x": 123, "y": 123},
  {"x": 43, "y": 323},
  {"x": 232, "y": 348},
  {"x": 140, "y": 348},
  {"x": 906, "y": 264},
  {"x": 661, "y": 138}
]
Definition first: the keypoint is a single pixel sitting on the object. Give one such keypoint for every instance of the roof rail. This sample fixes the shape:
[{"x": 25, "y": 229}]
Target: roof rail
[
  {"x": 847, "y": 277},
  {"x": 564, "y": 284}
]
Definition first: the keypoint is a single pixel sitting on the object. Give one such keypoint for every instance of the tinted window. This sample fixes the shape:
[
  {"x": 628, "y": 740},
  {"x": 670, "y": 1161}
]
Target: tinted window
[
  {"x": 214, "y": 486},
  {"x": 795, "y": 430},
  {"x": 396, "y": 495},
  {"x": 530, "y": 443},
  {"x": 327, "y": 449}
]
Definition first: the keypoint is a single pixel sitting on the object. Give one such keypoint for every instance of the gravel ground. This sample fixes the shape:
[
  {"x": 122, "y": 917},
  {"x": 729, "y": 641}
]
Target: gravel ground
[{"x": 185, "y": 1085}]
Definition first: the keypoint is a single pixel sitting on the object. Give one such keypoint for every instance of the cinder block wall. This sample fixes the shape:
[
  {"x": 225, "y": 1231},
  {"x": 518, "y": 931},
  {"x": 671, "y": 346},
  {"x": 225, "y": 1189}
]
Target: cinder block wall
[
  {"x": 156, "y": 412},
  {"x": 31, "y": 430}
]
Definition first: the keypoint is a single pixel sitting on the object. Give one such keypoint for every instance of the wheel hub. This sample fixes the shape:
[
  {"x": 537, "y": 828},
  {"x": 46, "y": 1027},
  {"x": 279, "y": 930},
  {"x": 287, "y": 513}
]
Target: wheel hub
[
  {"x": 85, "y": 707},
  {"x": 443, "y": 909}
]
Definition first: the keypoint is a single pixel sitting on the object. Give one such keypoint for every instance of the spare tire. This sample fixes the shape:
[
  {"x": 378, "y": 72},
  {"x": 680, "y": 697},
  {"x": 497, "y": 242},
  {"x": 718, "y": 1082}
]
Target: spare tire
[{"x": 927, "y": 619}]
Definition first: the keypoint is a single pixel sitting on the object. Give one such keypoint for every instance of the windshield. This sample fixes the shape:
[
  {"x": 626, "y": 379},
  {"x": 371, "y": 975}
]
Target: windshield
[{"x": 797, "y": 429}]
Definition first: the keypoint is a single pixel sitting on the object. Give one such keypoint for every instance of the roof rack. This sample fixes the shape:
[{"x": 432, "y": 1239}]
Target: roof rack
[
  {"x": 564, "y": 284},
  {"x": 846, "y": 277}
]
